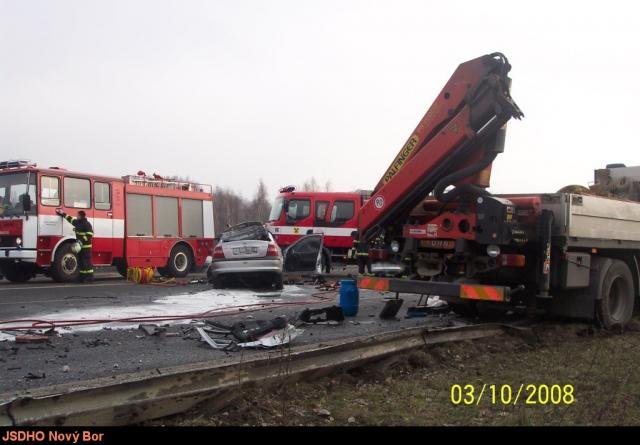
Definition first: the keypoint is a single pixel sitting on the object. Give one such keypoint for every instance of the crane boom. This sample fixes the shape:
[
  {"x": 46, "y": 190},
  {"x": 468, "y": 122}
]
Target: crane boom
[{"x": 457, "y": 139}]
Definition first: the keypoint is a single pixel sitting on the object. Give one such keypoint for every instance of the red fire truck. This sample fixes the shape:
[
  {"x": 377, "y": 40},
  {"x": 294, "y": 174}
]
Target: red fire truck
[
  {"x": 138, "y": 221},
  {"x": 334, "y": 214}
]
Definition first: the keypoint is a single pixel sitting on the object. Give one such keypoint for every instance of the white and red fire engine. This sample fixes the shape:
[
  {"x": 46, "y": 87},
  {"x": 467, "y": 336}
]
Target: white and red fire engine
[
  {"x": 334, "y": 214},
  {"x": 138, "y": 221}
]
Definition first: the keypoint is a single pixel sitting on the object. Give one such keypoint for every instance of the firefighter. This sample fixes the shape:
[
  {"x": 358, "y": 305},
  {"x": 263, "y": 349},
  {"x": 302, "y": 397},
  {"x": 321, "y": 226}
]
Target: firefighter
[
  {"x": 84, "y": 234},
  {"x": 361, "y": 250}
]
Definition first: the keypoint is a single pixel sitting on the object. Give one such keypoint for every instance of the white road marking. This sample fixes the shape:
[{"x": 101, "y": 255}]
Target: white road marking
[
  {"x": 67, "y": 300},
  {"x": 58, "y": 286}
]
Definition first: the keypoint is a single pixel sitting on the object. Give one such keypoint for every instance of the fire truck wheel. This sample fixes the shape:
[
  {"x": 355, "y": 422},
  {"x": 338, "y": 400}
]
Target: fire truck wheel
[
  {"x": 121, "y": 267},
  {"x": 65, "y": 265},
  {"x": 615, "y": 297},
  {"x": 180, "y": 262},
  {"x": 17, "y": 272}
]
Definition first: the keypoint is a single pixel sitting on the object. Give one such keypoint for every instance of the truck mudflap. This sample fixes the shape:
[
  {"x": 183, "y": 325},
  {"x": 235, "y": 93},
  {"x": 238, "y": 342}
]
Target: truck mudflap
[{"x": 464, "y": 291}]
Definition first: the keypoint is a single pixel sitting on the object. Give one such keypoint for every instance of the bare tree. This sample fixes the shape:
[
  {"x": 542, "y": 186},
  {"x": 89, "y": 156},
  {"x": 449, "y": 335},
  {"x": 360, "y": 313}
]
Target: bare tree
[
  {"x": 230, "y": 208},
  {"x": 260, "y": 206},
  {"x": 310, "y": 185}
]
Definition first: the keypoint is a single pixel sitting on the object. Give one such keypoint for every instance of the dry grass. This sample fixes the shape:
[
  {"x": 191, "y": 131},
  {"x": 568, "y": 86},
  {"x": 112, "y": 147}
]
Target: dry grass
[{"x": 415, "y": 389}]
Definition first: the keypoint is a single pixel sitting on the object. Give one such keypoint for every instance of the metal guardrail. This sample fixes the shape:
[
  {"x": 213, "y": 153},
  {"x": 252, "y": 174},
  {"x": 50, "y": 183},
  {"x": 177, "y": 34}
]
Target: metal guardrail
[{"x": 133, "y": 398}]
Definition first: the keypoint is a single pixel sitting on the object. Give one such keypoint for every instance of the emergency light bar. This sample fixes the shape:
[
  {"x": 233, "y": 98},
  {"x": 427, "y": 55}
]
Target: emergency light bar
[{"x": 16, "y": 164}]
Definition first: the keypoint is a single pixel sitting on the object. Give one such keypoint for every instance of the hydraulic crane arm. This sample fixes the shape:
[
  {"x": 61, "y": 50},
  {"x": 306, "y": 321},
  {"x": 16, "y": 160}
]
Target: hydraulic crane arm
[{"x": 458, "y": 137}]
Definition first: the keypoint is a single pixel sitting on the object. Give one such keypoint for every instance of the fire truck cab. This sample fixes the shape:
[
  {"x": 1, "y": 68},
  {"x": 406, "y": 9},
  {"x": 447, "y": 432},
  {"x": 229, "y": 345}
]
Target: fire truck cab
[
  {"x": 138, "y": 221},
  {"x": 333, "y": 214}
]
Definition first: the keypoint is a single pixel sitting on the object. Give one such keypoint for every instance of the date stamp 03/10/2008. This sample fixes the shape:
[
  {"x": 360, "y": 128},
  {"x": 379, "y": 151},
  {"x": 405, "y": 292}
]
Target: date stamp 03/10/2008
[{"x": 526, "y": 394}]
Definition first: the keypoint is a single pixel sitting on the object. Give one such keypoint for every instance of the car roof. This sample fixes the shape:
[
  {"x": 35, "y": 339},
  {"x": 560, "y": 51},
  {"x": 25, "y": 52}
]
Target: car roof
[{"x": 242, "y": 226}]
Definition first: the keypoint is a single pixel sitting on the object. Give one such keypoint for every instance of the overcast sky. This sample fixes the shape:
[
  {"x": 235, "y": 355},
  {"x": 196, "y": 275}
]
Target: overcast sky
[{"x": 227, "y": 92}]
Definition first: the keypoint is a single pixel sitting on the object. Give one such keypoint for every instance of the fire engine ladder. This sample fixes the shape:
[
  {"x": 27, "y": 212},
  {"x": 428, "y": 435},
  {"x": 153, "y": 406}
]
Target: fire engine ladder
[{"x": 147, "y": 181}]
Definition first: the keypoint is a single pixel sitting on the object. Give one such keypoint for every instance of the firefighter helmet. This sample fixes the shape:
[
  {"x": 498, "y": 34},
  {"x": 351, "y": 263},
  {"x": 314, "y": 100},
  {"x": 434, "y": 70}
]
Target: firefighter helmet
[{"x": 76, "y": 247}]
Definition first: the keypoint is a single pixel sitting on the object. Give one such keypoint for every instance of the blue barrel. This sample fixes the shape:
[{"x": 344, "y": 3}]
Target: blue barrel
[{"x": 349, "y": 297}]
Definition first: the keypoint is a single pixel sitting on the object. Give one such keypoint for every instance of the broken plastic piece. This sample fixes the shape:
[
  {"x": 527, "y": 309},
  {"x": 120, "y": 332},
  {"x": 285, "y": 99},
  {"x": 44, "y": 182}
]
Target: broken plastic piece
[
  {"x": 331, "y": 313},
  {"x": 213, "y": 343},
  {"x": 391, "y": 308},
  {"x": 250, "y": 330},
  {"x": 151, "y": 329},
  {"x": 275, "y": 338},
  {"x": 6, "y": 337}
]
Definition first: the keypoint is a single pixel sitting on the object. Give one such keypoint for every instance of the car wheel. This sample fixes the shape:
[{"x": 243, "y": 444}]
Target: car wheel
[
  {"x": 65, "y": 265},
  {"x": 217, "y": 281},
  {"x": 278, "y": 283},
  {"x": 18, "y": 272}
]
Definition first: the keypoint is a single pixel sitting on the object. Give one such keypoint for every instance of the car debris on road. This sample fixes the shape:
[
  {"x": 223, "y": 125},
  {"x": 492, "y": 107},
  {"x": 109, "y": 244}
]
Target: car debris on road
[
  {"x": 322, "y": 315},
  {"x": 151, "y": 329},
  {"x": 250, "y": 334}
]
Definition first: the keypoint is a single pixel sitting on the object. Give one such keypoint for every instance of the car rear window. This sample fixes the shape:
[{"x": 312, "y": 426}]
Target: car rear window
[{"x": 256, "y": 232}]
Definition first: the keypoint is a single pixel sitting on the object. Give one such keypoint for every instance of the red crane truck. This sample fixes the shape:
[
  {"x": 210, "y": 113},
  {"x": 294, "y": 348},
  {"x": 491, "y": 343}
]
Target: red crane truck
[
  {"x": 430, "y": 218},
  {"x": 138, "y": 221}
]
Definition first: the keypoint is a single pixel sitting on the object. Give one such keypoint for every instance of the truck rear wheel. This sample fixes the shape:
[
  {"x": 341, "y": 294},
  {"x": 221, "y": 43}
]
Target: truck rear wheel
[
  {"x": 65, "y": 265},
  {"x": 615, "y": 296},
  {"x": 179, "y": 263},
  {"x": 465, "y": 309},
  {"x": 17, "y": 272}
]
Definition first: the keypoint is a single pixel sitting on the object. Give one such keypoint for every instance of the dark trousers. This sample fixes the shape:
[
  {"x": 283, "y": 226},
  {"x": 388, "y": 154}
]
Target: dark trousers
[
  {"x": 362, "y": 262},
  {"x": 84, "y": 265}
]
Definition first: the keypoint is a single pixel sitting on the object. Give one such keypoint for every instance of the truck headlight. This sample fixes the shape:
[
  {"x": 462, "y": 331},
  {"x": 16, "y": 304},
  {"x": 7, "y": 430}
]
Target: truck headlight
[
  {"x": 395, "y": 246},
  {"x": 18, "y": 241},
  {"x": 493, "y": 250}
]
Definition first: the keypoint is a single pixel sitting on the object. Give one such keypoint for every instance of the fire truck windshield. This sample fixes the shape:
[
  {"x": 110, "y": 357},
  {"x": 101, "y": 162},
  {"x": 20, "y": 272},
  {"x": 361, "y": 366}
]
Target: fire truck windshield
[
  {"x": 12, "y": 187},
  {"x": 276, "y": 209}
]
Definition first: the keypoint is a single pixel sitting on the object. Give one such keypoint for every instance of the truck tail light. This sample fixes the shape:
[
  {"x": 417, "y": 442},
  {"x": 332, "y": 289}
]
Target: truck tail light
[
  {"x": 218, "y": 252},
  {"x": 511, "y": 260},
  {"x": 272, "y": 250}
]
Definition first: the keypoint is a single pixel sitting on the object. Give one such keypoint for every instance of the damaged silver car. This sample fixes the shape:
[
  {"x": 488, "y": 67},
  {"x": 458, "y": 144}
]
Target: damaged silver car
[{"x": 248, "y": 254}]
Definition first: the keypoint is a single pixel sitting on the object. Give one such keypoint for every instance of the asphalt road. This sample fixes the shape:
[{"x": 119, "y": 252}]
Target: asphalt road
[
  {"x": 42, "y": 295},
  {"x": 108, "y": 350}
]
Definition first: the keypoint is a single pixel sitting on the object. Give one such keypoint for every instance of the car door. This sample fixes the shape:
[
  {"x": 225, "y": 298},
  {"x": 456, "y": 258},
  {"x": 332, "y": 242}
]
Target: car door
[{"x": 304, "y": 254}]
